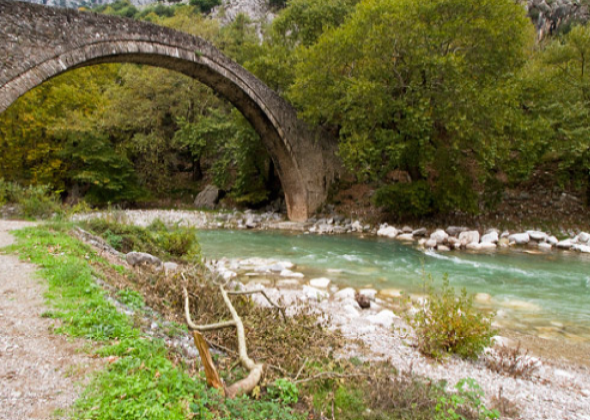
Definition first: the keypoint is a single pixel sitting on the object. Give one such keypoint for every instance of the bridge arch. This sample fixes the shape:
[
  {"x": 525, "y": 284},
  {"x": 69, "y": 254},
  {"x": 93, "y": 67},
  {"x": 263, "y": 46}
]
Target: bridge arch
[{"x": 40, "y": 43}]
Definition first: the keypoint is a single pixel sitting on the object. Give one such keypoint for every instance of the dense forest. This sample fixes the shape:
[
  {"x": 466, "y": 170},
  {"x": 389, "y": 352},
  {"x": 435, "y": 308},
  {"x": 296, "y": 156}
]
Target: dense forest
[{"x": 438, "y": 105}]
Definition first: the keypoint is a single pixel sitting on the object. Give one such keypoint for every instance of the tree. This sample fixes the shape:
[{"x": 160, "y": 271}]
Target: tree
[{"x": 417, "y": 86}]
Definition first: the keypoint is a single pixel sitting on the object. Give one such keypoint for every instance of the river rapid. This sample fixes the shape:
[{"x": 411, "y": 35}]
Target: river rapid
[{"x": 547, "y": 295}]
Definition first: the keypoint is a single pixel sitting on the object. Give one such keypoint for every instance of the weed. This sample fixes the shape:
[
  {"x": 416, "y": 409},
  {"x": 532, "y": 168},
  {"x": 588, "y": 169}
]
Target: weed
[
  {"x": 511, "y": 361},
  {"x": 284, "y": 390},
  {"x": 31, "y": 202},
  {"x": 130, "y": 298},
  {"x": 450, "y": 324}
]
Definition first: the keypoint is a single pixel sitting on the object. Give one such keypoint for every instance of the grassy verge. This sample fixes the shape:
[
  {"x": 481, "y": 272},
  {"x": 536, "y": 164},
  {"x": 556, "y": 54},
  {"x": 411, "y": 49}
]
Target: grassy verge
[{"x": 139, "y": 380}]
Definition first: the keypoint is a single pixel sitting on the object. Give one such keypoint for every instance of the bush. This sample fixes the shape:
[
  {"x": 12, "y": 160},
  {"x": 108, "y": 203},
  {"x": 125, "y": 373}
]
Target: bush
[
  {"x": 205, "y": 6},
  {"x": 284, "y": 390},
  {"x": 450, "y": 324},
  {"x": 157, "y": 239},
  {"x": 33, "y": 201},
  {"x": 406, "y": 199}
]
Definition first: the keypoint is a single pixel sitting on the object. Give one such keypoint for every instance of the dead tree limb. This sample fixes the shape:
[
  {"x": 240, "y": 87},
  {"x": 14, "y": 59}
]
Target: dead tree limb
[
  {"x": 246, "y": 385},
  {"x": 213, "y": 379},
  {"x": 263, "y": 293}
]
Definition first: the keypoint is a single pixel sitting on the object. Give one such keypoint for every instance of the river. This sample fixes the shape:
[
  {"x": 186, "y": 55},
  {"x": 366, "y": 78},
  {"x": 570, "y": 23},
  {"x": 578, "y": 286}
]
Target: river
[{"x": 547, "y": 295}]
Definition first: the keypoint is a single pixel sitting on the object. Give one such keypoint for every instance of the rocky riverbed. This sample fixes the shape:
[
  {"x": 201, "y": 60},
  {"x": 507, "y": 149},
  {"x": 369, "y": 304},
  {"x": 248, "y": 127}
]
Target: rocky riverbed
[{"x": 451, "y": 238}]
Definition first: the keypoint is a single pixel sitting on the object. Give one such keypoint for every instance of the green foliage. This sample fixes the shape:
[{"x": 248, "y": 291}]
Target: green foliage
[
  {"x": 205, "y": 6},
  {"x": 130, "y": 298},
  {"x": 468, "y": 396},
  {"x": 157, "y": 239},
  {"x": 139, "y": 381},
  {"x": 32, "y": 202},
  {"x": 449, "y": 324},
  {"x": 284, "y": 390},
  {"x": 415, "y": 85},
  {"x": 406, "y": 199}
]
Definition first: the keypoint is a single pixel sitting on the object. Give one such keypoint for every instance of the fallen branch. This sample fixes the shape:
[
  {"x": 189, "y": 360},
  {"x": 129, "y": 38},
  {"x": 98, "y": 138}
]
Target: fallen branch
[
  {"x": 246, "y": 385},
  {"x": 328, "y": 375},
  {"x": 263, "y": 293}
]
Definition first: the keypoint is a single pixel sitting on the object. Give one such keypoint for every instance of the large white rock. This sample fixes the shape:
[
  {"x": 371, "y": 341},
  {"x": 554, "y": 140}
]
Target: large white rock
[
  {"x": 565, "y": 244},
  {"x": 370, "y": 293},
  {"x": 583, "y": 238},
  {"x": 356, "y": 226},
  {"x": 582, "y": 248},
  {"x": 288, "y": 273},
  {"x": 487, "y": 246},
  {"x": 439, "y": 236},
  {"x": 552, "y": 240},
  {"x": 405, "y": 237},
  {"x": 325, "y": 228},
  {"x": 491, "y": 237},
  {"x": 443, "y": 248},
  {"x": 431, "y": 243},
  {"x": 142, "y": 258},
  {"x": 520, "y": 238},
  {"x": 384, "y": 318},
  {"x": 536, "y": 235},
  {"x": 170, "y": 267},
  {"x": 544, "y": 246},
  {"x": 321, "y": 282},
  {"x": 387, "y": 231},
  {"x": 312, "y": 293},
  {"x": 347, "y": 293},
  {"x": 351, "y": 311},
  {"x": 469, "y": 237}
]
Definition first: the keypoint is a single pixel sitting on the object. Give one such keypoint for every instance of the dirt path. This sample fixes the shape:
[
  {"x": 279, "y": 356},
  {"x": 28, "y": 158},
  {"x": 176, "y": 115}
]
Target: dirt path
[{"x": 39, "y": 371}]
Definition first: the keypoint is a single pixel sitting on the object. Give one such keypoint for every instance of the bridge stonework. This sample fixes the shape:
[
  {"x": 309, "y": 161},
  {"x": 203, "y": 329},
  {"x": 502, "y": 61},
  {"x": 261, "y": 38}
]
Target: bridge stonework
[{"x": 39, "y": 42}]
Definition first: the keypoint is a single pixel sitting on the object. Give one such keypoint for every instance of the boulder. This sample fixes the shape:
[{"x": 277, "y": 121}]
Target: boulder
[
  {"x": 325, "y": 228},
  {"x": 552, "y": 240},
  {"x": 208, "y": 198},
  {"x": 431, "y": 243},
  {"x": 491, "y": 238},
  {"x": 453, "y": 241},
  {"x": 565, "y": 244},
  {"x": 536, "y": 235},
  {"x": 311, "y": 293},
  {"x": 456, "y": 230},
  {"x": 320, "y": 283},
  {"x": 405, "y": 237},
  {"x": 363, "y": 300},
  {"x": 347, "y": 293},
  {"x": 487, "y": 246},
  {"x": 469, "y": 237},
  {"x": 350, "y": 311},
  {"x": 407, "y": 229},
  {"x": 170, "y": 267},
  {"x": 288, "y": 273},
  {"x": 582, "y": 238},
  {"x": 544, "y": 246},
  {"x": 370, "y": 293},
  {"x": 503, "y": 242},
  {"x": 443, "y": 248},
  {"x": 420, "y": 232},
  {"x": 582, "y": 248},
  {"x": 142, "y": 258},
  {"x": 384, "y": 318},
  {"x": 520, "y": 238},
  {"x": 387, "y": 231},
  {"x": 440, "y": 236},
  {"x": 356, "y": 226}
]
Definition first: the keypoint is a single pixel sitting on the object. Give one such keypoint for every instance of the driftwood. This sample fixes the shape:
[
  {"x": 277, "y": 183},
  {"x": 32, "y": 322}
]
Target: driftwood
[{"x": 246, "y": 385}]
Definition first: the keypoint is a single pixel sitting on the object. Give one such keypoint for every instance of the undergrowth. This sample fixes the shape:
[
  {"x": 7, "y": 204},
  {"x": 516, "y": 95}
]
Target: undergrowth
[
  {"x": 143, "y": 379},
  {"x": 139, "y": 380},
  {"x": 167, "y": 242}
]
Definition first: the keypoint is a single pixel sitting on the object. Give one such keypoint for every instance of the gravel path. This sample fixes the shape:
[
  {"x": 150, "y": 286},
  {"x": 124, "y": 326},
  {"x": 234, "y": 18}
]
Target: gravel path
[{"x": 38, "y": 370}]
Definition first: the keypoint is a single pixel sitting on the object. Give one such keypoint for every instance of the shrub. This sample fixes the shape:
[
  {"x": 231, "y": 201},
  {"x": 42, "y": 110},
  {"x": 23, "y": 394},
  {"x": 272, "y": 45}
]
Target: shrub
[
  {"x": 449, "y": 323},
  {"x": 406, "y": 199},
  {"x": 157, "y": 239},
  {"x": 205, "y": 6},
  {"x": 284, "y": 390},
  {"x": 34, "y": 201}
]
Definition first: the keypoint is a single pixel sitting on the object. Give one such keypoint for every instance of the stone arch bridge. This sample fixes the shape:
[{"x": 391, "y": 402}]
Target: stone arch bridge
[{"x": 38, "y": 43}]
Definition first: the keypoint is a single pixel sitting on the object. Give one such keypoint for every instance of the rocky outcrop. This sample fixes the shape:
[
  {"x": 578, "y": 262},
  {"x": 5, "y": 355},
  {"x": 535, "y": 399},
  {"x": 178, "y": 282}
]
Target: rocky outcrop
[
  {"x": 208, "y": 198},
  {"x": 550, "y": 16}
]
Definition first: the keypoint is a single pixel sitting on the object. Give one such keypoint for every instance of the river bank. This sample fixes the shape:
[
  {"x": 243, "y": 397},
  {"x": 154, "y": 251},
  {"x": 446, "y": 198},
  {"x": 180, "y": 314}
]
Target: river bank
[{"x": 557, "y": 388}]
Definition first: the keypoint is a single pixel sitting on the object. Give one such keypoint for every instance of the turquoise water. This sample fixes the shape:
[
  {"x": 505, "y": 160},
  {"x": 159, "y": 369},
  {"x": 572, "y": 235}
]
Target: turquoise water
[{"x": 547, "y": 294}]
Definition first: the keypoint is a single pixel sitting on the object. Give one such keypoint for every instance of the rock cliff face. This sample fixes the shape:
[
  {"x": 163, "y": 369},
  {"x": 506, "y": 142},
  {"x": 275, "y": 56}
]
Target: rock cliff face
[
  {"x": 553, "y": 16},
  {"x": 85, "y": 3}
]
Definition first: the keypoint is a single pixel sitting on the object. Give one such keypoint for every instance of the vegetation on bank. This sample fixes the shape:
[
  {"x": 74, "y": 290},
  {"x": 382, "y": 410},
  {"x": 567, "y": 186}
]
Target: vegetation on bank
[
  {"x": 143, "y": 377},
  {"x": 440, "y": 105}
]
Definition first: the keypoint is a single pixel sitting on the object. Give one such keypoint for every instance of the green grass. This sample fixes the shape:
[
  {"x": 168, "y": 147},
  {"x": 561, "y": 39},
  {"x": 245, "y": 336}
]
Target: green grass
[{"x": 139, "y": 380}]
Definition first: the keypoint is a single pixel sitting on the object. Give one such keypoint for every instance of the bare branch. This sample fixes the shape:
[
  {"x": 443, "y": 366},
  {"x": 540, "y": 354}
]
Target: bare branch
[
  {"x": 202, "y": 328},
  {"x": 263, "y": 293}
]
